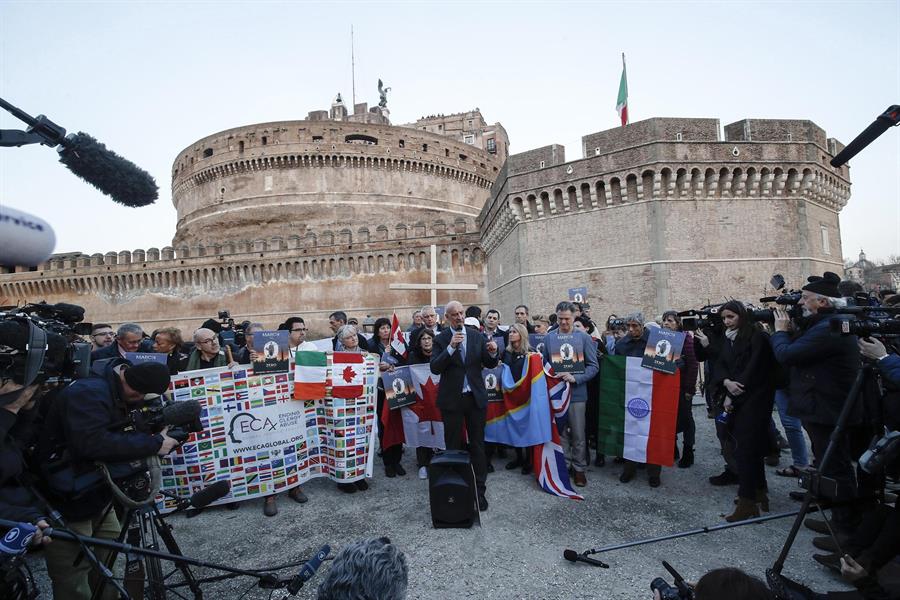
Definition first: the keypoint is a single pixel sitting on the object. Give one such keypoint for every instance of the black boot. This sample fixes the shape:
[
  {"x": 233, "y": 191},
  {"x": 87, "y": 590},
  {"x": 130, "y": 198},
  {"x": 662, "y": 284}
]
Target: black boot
[{"x": 687, "y": 458}]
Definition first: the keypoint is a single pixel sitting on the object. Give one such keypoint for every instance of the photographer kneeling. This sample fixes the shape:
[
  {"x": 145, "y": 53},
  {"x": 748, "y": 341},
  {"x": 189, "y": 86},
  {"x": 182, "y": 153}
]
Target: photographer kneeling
[{"x": 85, "y": 426}]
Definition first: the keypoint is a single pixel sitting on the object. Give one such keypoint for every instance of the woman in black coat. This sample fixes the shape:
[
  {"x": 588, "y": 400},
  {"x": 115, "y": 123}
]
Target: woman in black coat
[{"x": 745, "y": 383}]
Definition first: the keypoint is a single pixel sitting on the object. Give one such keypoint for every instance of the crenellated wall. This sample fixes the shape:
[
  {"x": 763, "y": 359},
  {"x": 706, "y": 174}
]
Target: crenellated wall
[
  {"x": 264, "y": 279},
  {"x": 651, "y": 222}
]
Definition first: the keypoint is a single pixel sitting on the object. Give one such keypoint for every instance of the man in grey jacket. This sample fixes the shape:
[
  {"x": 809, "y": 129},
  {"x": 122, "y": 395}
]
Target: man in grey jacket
[{"x": 573, "y": 438}]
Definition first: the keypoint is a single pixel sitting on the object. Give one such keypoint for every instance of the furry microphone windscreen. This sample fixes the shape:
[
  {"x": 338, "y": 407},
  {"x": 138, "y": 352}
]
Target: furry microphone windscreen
[{"x": 117, "y": 177}]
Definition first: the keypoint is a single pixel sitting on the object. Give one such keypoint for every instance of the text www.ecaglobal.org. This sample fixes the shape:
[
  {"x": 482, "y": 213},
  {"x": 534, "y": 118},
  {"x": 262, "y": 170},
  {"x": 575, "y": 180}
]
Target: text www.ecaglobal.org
[{"x": 269, "y": 444}]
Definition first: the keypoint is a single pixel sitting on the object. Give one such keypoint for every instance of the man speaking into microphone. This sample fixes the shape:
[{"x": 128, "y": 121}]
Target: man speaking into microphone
[{"x": 459, "y": 355}]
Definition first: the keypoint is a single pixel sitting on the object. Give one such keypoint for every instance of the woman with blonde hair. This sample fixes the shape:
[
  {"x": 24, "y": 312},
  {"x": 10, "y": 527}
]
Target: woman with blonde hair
[{"x": 515, "y": 356}]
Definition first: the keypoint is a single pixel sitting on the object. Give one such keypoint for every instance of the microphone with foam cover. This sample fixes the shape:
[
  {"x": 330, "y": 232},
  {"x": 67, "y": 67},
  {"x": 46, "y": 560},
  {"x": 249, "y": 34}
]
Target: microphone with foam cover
[
  {"x": 16, "y": 540},
  {"x": 117, "y": 177},
  {"x": 210, "y": 494},
  {"x": 572, "y": 556},
  {"x": 181, "y": 413}
]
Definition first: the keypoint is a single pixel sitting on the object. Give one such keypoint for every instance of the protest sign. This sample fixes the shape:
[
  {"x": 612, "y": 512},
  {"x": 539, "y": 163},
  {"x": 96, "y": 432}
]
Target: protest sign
[
  {"x": 565, "y": 355},
  {"x": 272, "y": 350},
  {"x": 137, "y": 358},
  {"x": 398, "y": 388},
  {"x": 663, "y": 350}
]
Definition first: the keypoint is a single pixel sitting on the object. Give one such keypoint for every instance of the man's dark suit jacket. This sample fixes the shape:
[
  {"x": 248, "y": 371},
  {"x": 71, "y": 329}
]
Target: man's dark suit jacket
[{"x": 452, "y": 370}]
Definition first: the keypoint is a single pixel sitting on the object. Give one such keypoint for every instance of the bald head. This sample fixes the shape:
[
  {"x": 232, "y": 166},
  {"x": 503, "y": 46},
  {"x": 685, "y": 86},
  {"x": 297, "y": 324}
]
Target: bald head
[
  {"x": 454, "y": 314},
  {"x": 206, "y": 341}
]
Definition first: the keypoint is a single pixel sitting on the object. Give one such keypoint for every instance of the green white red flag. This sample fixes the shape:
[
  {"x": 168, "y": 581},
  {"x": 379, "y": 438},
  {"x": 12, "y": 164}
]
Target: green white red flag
[
  {"x": 310, "y": 375},
  {"x": 638, "y": 408},
  {"x": 622, "y": 100}
]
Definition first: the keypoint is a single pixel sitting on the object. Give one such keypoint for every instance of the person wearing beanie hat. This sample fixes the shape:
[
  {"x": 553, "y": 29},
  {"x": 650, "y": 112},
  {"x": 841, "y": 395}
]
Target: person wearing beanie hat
[
  {"x": 84, "y": 424},
  {"x": 148, "y": 378},
  {"x": 823, "y": 367}
]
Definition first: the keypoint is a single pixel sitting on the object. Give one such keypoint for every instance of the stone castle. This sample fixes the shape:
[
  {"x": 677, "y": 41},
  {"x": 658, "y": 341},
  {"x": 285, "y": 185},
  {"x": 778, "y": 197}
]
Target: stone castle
[{"x": 343, "y": 210}]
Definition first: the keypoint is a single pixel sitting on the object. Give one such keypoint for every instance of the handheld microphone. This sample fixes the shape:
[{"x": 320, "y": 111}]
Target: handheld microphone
[
  {"x": 308, "y": 570},
  {"x": 117, "y": 177},
  {"x": 28, "y": 240},
  {"x": 210, "y": 494},
  {"x": 16, "y": 540},
  {"x": 572, "y": 556}
]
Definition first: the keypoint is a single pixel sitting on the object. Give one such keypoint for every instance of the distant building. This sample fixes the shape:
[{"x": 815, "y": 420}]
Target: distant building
[
  {"x": 873, "y": 277},
  {"x": 469, "y": 128}
]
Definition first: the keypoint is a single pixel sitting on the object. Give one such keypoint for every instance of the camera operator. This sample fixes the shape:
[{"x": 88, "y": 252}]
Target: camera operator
[
  {"x": 823, "y": 369},
  {"x": 87, "y": 424}
]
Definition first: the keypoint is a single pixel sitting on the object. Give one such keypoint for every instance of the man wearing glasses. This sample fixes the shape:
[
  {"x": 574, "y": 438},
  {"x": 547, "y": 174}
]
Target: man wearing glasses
[
  {"x": 102, "y": 335},
  {"x": 296, "y": 326},
  {"x": 207, "y": 354},
  {"x": 128, "y": 339}
]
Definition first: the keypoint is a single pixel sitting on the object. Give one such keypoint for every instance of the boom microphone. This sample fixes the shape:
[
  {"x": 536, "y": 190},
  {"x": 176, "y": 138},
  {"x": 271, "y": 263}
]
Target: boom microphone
[
  {"x": 572, "y": 556},
  {"x": 210, "y": 494},
  {"x": 308, "y": 570},
  {"x": 885, "y": 121},
  {"x": 117, "y": 177}
]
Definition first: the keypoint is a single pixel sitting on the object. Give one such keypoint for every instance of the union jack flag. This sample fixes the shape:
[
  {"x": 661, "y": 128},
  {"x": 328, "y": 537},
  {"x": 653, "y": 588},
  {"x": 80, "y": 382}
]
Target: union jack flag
[{"x": 549, "y": 461}]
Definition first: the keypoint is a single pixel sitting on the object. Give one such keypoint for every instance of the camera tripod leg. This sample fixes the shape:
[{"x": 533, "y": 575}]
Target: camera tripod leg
[
  {"x": 833, "y": 440},
  {"x": 165, "y": 532}
]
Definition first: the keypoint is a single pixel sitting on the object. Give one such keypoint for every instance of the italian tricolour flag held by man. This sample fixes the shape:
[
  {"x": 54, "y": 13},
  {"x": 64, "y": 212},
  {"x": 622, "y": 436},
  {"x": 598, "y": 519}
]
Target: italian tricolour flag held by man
[{"x": 638, "y": 408}]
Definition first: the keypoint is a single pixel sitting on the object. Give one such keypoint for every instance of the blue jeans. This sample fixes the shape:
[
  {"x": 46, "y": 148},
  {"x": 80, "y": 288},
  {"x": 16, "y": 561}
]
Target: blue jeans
[{"x": 792, "y": 430}]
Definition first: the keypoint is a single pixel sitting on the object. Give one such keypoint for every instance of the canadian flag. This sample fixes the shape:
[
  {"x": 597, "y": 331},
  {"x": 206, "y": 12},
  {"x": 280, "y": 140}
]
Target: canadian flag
[
  {"x": 347, "y": 375},
  {"x": 398, "y": 340}
]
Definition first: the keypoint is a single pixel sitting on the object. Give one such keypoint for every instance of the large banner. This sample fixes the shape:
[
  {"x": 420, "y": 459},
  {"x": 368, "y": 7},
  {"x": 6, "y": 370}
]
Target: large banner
[{"x": 259, "y": 438}]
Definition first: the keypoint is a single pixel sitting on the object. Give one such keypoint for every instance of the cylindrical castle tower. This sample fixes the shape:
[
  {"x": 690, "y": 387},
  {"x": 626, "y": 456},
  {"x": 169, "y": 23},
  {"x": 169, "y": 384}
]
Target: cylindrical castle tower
[{"x": 290, "y": 177}]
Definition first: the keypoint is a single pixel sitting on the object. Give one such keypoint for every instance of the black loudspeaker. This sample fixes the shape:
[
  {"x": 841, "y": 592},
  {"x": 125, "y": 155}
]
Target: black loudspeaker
[{"x": 451, "y": 490}]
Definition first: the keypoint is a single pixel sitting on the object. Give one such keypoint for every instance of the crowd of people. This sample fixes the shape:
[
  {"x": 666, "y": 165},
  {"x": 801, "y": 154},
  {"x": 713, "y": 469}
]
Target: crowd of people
[{"x": 743, "y": 368}]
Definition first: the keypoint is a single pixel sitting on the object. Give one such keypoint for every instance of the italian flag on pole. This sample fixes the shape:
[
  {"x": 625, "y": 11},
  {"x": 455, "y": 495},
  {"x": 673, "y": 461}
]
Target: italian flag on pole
[
  {"x": 622, "y": 100},
  {"x": 638, "y": 408},
  {"x": 310, "y": 376}
]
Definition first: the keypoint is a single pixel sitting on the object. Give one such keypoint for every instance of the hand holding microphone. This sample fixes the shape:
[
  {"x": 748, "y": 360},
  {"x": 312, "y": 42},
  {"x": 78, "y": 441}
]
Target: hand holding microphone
[{"x": 458, "y": 338}]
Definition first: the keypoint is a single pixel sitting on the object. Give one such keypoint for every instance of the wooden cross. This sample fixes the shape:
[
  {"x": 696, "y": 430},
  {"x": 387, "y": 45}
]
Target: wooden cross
[{"x": 434, "y": 286}]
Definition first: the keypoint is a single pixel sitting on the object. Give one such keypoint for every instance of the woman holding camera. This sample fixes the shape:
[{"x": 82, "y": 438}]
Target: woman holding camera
[{"x": 745, "y": 388}]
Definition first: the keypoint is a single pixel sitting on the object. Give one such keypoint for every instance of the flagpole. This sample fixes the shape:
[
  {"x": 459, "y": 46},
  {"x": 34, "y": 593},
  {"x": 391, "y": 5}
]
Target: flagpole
[{"x": 625, "y": 71}]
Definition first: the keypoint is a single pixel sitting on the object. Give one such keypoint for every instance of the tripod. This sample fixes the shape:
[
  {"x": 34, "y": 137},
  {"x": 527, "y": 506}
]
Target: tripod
[
  {"x": 817, "y": 484},
  {"x": 143, "y": 527}
]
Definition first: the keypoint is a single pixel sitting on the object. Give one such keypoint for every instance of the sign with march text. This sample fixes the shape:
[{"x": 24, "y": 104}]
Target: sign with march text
[
  {"x": 398, "y": 388},
  {"x": 578, "y": 294},
  {"x": 492, "y": 379},
  {"x": 566, "y": 353},
  {"x": 663, "y": 350},
  {"x": 537, "y": 341},
  {"x": 272, "y": 350},
  {"x": 137, "y": 358}
]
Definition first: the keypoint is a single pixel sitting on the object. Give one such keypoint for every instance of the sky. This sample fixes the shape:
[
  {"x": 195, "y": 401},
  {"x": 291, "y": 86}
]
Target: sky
[{"x": 149, "y": 79}]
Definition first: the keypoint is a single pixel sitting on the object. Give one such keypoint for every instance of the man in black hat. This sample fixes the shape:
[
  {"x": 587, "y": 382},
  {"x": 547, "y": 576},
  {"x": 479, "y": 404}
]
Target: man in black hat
[
  {"x": 81, "y": 431},
  {"x": 823, "y": 367}
]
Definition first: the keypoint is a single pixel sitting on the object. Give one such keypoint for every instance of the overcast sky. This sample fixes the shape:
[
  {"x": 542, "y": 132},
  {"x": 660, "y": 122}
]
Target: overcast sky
[{"x": 148, "y": 79}]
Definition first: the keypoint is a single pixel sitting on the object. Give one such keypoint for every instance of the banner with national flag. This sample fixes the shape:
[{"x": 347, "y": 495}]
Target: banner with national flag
[
  {"x": 522, "y": 418},
  {"x": 638, "y": 408},
  {"x": 398, "y": 338},
  {"x": 423, "y": 426},
  {"x": 310, "y": 375},
  {"x": 259, "y": 438},
  {"x": 622, "y": 99},
  {"x": 347, "y": 374}
]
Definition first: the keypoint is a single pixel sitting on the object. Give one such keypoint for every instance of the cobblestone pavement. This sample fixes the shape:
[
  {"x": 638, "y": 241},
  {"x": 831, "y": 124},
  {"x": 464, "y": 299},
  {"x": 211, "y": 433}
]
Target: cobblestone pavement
[{"x": 517, "y": 552}]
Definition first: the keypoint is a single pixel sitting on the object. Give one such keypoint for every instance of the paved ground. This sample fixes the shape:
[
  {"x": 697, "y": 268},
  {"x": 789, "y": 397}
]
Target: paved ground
[{"x": 517, "y": 553}]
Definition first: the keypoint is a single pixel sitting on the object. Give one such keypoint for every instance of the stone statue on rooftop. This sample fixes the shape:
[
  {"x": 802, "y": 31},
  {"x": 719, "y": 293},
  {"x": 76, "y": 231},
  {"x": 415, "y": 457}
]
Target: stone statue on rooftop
[{"x": 383, "y": 92}]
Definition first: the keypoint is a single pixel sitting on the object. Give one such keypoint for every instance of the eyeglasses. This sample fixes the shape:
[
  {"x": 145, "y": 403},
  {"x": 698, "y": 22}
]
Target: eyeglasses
[{"x": 209, "y": 341}]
